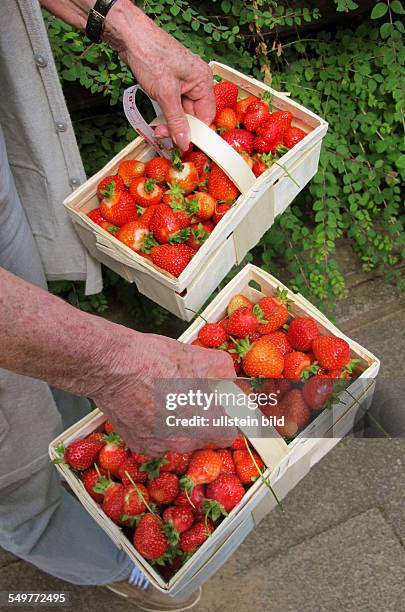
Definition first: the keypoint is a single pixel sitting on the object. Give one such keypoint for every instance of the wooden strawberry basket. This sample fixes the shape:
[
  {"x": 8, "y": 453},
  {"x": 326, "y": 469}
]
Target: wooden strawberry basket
[
  {"x": 285, "y": 464},
  {"x": 261, "y": 200}
]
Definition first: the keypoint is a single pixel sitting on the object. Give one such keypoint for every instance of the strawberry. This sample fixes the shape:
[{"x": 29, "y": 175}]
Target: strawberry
[
  {"x": 243, "y": 105},
  {"x": 118, "y": 207},
  {"x": 243, "y": 321},
  {"x": 194, "y": 499},
  {"x": 90, "y": 478},
  {"x": 113, "y": 500},
  {"x": 227, "y": 490},
  {"x": 133, "y": 468},
  {"x": 81, "y": 454},
  {"x": 204, "y": 467},
  {"x": 256, "y": 115},
  {"x": 259, "y": 167},
  {"x": 199, "y": 234},
  {"x": 165, "y": 226},
  {"x": 323, "y": 373},
  {"x": 280, "y": 341},
  {"x": 228, "y": 466},
  {"x": 295, "y": 411},
  {"x": 202, "y": 204},
  {"x": 116, "y": 182},
  {"x": 295, "y": 363},
  {"x": 262, "y": 359},
  {"x": 246, "y": 470},
  {"x": 97, "y": 436},
  {"x": 212, "y": 335},
  {"x": 302, "y": 332},
  {"x": 196, "y": 342},
  {"x": 274, "y": 311},
  {"x": 130, "y": 169},
  {"x": 270, "y": 136},
  {"x": 113, "y": 453},
  {"x": 191, "y": 539},
  {"x": 174, "y": 196},
  {"x": 293, "y": 136},
  {"x": 184, "y": 174},
  {"x": 149, "y": 538},
  {"x": 282, "y": 119},
  {"x": 200, "y": 160},
  {"x": 108, "y": 426},
  {"x": 146, "y": 192},
  {"x": 136, "y": 236},
  {"x": 238, "y": 301},
  {"x": 139, "y": 457},
  {"x": 135, "y": 500},
  {"x": 247, "y": 158},
  {"x": 164, "y": 488},
  {"x": 226, "y": 94},
  {"x": 239, "y": 442},
  {"x": 95, "y": 215},
  {"x": 226, "y": 119},
  {"x": 240, "y": 140},
  {"x": 331, "y": 352},
  {"x": 172, "y": 257},
  {"x": 179, "y": 517},
  {"x": 316, "y": 391},
  {"x": 147, "y": 213},
  {"x": 220, "y": 211},
  {"x": 220, "y": 186},
  {"x": 158, "y": 169}
]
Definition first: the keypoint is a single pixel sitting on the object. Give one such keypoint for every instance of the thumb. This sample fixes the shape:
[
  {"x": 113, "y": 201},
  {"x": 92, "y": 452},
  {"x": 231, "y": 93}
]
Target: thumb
[{"x": 176, "y": 120}]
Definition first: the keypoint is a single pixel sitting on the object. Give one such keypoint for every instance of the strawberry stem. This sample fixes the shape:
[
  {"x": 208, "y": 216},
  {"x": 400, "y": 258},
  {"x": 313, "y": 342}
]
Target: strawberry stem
[
  {"x": 140, "y": 495},
  {"x": 264, "y": 480}
]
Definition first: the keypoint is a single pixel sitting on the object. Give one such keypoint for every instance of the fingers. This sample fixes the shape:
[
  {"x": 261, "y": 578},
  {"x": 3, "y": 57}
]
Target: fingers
[{"x": 170, "y": 103}]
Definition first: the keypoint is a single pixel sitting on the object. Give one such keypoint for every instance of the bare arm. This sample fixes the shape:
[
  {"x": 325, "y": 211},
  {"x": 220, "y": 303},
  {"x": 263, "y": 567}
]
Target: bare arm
[
  {"x": 179, "y": 80},
  {"x": 46, "y": 338}
]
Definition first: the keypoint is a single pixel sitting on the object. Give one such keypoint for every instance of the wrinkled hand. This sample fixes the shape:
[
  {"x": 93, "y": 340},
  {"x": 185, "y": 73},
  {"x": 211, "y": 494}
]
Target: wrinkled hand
[{"x": 134, "y": 393}]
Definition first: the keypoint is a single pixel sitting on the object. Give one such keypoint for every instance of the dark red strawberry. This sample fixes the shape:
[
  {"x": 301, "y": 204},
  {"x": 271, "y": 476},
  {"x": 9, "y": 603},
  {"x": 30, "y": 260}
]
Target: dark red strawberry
[
  {"x": 200, "y": 160},
  {"x": 149, "y": 538},
  {"x": 191, "y": 539},
  {"x": 317, "y": 391},
  {"x": 133, "y": 468},
  {"x": 212, "y": 335},
  {"x": 135, "y": 501},
  {"x": 228, "y": 466},
  {"x": 103, "y": 186},
  {"x": 226, "y": 95},
  {"x": 244, "y": 321},
  {"x": 90, "y": 478},
  {"x": 256, "y": 115},
  {"x": 220, "y": 211},
  {"x": 113, "y": 501},
  {"x": 331, "y": 352},
  {"x": 282, "y": 119},
  {"x": 194, "y": 499},
  {"x": 113, "y": 454},
  {"x": 180, "y": 517},
  {"x": 293, "y": 136},
  {"x": 227, "y": 490},
  {"x": 81, "y": 454},
  {"x": 165, "y": 226},
  {"x": 164, "y": 488},
  {"x": 295, "y": 364},
  {"x": 302, "y": 332},
  {"x": 200, "y": 232},
  {"x": 172, "y": 257}
]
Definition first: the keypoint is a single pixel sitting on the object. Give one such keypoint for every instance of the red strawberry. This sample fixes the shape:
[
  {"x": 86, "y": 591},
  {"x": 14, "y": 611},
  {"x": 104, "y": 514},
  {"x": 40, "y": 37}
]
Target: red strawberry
[
  {"x": 113, "y": 501},
  {"x": 240, "y": 140},
  {"x": 147, "y": 213},
  {"x": 212, "y": 335},
  {"x": 194, "y": 499},
  {"x": 270, "y": 136},
  {"x": 130, "y": 169},
  {"x": 202, "y": 204},
  {"x": 228, "y": 466},
  {"x": 282, "y": 119},
  {"x": 226, "y": 94},
  {"x": 280, "y": 341},
  {"x": 81, "y": 454},
  {"x": 90, "y": 478},
  {"x": 246, "y": 469},
  {"x": 191, "y": 539},
  {"x": 259, "y": 167},
  {"x": 220, "y": 211},
  {"x": 262, "y": 359},
  {"x": 238, "y": 301},
  {"x": 295, "y": 363},
  {"x": 139, "y": 457},
  {"x": 97, "y": 436},
  {"x": 331, "y": 352},
  {"x": 180, "y": 517},
  {"x": 220, "y": 186},
  {"x": 302, "y": 332},
  {"x": 136, "y": 236},
  {"x": 204, "y": 467},
  {"x": 184, "y": 174},
  {"x": 242, "y": 106},
  {"x": 96, "y": 216},
  {"x": 174, "y": 196},
  {"x": 274, "y": 311},
  {"x": 249, "y": 160},
  {"x": 239, "y": 442},
  {"x": 113, "y": 453},
  {"x": 256, "y": 115},
  {"x": 164, "y": 488},
  {"x": 135, "y": 500},
  {"x": 293, "y": 136},
  {"x": 149, "y": 539},
  {"x": 172, "y": 257},
  {"x": 244, "y": 321},
  {"x": 182, "y": 463},
  {"x": 104, "y": 185},
  {"x": 165, "y": 226},
  {"x": 226, "y": 119},
  {"x": 146, "y": 192},
  {"x": 158, "y": 169},
  {"x": 296, "y": 412},
  {"x": 323, "y": 373},
  {"x": 118, "y": 207},
  {"x": 200, "y": 232},
  {"x": 133, "y": 468},
  {"x": 316, "y": 391},
  {"x": 200, "y": 160},
  {"x": 108, "y": 426},
  {"x": 227, "y": 490}
]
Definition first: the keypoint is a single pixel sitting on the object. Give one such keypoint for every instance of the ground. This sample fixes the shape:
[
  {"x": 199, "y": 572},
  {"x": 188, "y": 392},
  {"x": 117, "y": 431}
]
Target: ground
[{"x": 339, "y": 545}]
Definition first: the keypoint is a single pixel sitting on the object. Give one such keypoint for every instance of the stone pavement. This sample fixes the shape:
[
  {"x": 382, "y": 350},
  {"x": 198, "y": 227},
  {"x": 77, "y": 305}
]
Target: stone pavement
[{"x": 340, "y": 544}]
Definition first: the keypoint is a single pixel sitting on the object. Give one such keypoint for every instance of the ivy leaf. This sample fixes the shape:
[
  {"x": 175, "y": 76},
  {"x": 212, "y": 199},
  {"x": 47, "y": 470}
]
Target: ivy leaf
[
  {"x": 380, "y": 9},
  {"x": 396, "y": 7}
]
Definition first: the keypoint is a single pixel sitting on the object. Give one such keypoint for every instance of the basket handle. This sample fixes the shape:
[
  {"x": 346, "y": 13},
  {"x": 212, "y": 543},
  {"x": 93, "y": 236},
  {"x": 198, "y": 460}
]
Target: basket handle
[{"x": 201, "y": 135}]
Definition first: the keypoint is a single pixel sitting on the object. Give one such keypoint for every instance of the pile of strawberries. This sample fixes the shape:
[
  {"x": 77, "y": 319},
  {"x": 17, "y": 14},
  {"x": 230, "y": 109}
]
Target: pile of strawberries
[
  {"x": 165, "y": 210},
  {"x": 167, "y": 506},
  {"x": 283, "y": 355}
]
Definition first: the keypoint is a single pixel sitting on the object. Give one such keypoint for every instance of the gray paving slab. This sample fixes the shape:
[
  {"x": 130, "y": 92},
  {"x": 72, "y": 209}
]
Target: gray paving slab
[
  {"x": 6, "y": 557},
  {"x": 357, "y": 566}
]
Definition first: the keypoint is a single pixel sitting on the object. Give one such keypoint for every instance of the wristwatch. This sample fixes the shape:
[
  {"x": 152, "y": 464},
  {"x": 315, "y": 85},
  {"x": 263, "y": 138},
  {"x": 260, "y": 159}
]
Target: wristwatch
[{"x": 96, "y": 19}]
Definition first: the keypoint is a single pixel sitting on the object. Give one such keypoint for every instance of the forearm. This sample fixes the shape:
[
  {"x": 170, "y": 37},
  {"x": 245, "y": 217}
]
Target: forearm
[{"x": 44, "y": 337}]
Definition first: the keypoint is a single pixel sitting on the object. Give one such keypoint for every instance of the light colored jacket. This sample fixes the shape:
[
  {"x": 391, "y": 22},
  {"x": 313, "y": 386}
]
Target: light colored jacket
[{"x": 41, "y": 144}]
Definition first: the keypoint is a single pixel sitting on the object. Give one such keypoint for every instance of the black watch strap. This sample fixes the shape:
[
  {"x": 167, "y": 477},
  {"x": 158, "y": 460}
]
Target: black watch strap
[{"x": 96, "y": 18}]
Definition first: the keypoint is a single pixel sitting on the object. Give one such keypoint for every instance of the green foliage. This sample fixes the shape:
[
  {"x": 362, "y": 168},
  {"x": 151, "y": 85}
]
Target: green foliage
[{"x": 355, "y": 79}]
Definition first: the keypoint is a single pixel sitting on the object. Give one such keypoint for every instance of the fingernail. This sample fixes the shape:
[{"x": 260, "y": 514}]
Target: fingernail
[{"x": 182, "y": 140}]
